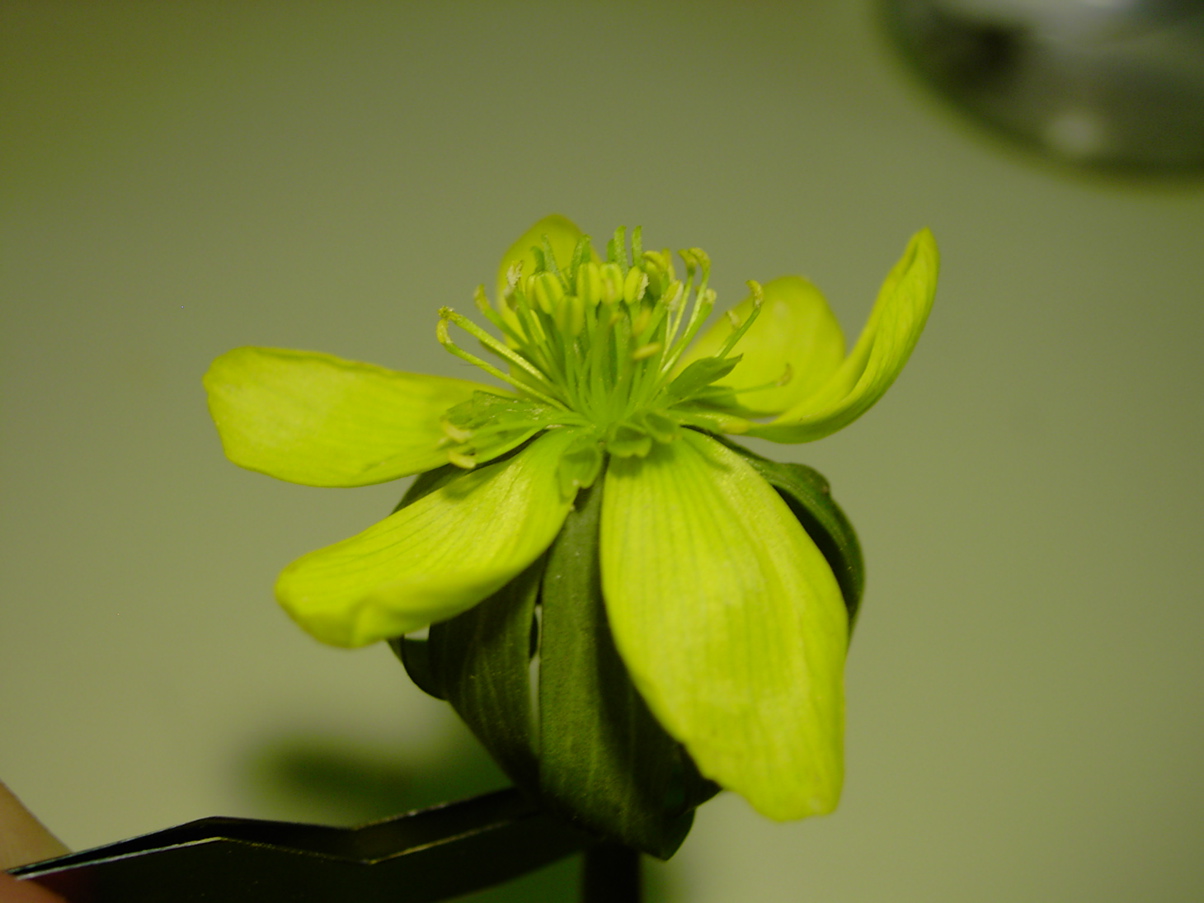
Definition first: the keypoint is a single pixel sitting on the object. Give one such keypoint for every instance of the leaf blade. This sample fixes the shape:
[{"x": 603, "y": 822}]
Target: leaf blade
[{"x": 604, "y": 759}]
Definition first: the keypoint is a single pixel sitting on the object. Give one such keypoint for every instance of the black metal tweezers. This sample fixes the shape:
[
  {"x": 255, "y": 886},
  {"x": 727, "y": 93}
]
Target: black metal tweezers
[{"x": 424, "y": 856}]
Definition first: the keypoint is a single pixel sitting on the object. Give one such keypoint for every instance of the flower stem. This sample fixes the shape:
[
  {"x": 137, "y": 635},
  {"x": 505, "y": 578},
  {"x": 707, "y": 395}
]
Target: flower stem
[{"x": 611, "y": 874}]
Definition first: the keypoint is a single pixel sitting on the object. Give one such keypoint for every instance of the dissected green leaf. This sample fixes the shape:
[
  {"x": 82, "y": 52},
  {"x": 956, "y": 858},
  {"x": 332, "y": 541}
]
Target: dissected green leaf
[
  {"x": 481, "y": 659},
  {"x": 807, "y": 493},
  {"x": 604, "y": 760},
  {"x": 415, "y": 655}
]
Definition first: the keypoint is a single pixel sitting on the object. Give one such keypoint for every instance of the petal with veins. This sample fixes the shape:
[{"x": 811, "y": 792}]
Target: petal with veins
[
  {"x": 730, "y": 622},
  {"x": 320, "y": 420},
  {"x": 435, "y": 558}
]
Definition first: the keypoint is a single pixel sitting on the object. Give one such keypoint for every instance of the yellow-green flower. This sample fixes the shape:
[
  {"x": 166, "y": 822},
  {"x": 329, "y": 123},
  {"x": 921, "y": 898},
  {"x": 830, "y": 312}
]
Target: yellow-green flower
[{"x": 727, "y": 616}]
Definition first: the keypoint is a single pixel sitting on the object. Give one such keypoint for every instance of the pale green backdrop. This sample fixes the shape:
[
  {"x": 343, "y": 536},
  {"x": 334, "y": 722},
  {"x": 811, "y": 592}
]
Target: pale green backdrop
[{"x": 1025, "y": 686}]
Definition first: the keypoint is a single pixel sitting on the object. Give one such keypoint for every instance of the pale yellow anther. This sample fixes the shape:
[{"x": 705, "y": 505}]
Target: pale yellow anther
[
  {"x": 758, "y": 293},
  {"x": 466, "y": 462},
  {"x": 645, "y": 351},
  {"x": 674, "y": 294},
  {"x": 455, "y": 433},
  {"x": 547, "y": 292},
  {"x": 589, "y": 283},
  {"x": 513, "y": 274},
  {"x": 570, "y": 315},
  {"x": 441, "y": 328},
  {"x": 612, "y": 281},
  {"x": 640, "y": 321},
  {"x": 481, "y": 300},
  {"x": 660, "y": 262},
  {"x": 635, "y": 285},
  {"x": 732, "y": 318}
]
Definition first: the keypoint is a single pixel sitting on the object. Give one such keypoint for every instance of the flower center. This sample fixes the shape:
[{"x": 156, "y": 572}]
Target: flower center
[{"x": 594, "y": 346}]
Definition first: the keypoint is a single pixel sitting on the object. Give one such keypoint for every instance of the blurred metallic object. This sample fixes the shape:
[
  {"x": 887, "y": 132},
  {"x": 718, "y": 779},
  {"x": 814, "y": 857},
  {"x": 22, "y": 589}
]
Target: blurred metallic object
[{"x": 1107, "y": 83}]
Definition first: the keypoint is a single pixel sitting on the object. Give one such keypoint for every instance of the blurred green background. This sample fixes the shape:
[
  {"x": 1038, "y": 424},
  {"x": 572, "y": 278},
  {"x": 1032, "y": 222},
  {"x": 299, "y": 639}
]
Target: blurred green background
[{"x": 1025, "y": 686}]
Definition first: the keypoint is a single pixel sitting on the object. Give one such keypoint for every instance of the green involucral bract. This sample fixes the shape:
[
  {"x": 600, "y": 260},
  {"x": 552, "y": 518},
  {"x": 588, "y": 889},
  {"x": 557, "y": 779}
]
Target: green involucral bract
[{"x": 726, "y": 613}]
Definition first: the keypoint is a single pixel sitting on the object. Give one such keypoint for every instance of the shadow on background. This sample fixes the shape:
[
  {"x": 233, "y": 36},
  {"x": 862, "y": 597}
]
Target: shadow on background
[{"x": 308, "y": 777}]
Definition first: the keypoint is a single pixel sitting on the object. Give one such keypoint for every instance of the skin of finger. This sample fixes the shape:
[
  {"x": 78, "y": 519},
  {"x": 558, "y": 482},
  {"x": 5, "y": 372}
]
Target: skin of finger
[
  {"x": 22, "y": 837},
  {"x": 14, "y": 891}
]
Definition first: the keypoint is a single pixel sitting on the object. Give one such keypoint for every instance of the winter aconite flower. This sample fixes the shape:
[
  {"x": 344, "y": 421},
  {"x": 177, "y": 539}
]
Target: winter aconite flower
[{"x": 726, "y": 614}]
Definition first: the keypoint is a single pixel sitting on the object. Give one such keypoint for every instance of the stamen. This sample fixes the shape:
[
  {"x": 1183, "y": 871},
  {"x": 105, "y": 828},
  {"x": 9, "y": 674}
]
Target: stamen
[
  {"x": 640, "y": 322},
  {"x": 513, "y": 274},
  {"x": 441, "y": 332},
  {"x": 595, "y": 342},
  {"x": 589, "y": 283},
  {"x": 616, "y": 249},
  {"x": 482, "y": 302},
  {"x": 549, "y": 258},
  {"x": 455, "y": 433},
  {"x": 467, "y": 462},
  {"x": 696, "y": 261},
  {"x": 634, "y": 286},
  {"x": 703, "y": 304},
  {"x": 491, "y": 343},
  {"x": 758, "y": 297},
  {"x": 645, "y": 351},
  {"x": 581, "y": 253}
]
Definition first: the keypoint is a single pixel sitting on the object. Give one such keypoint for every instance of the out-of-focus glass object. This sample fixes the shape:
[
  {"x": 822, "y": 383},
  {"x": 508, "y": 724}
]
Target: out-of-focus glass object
[{"x": 1106, "y": 83}]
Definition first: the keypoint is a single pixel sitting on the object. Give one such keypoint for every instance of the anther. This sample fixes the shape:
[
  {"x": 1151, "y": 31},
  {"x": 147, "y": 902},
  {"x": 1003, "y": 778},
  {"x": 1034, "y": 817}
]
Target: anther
[
  {"x": 635, "y": 285},
  {"x": 589, "y": 283},
  {"x": 640, "y": 322},
  {"x": 455, "y": 433},
  {"x": 547, "y": 292},
  {"x": 645, "y": 351},
  {"x": 513, "y": 274},
  {"x": 612, "y": 281}
]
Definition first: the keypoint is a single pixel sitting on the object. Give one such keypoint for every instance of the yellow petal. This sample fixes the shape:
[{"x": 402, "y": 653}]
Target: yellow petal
[
  {"x": 435, "y": 558},
  {"x": 730, "y": 622},
  {"x": 795, "y": 341},
  {"x": 891, "y": 333},
  {"x": 320, "y": 420}
]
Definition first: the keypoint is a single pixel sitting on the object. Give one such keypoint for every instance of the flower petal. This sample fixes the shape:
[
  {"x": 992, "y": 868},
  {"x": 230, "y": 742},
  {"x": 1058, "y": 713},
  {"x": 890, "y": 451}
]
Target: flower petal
[
  {"x": 320, "y": 420},
  {"x": 561, "y": 233},
  {"x": 730, "y": 622},
  {"x": 435, "y": 558},
  {"x": 795, "y": 336},
  {"x": 891, "y": 333}
]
